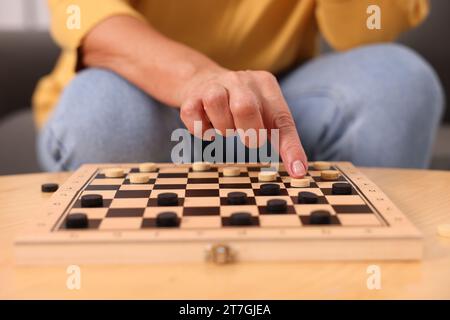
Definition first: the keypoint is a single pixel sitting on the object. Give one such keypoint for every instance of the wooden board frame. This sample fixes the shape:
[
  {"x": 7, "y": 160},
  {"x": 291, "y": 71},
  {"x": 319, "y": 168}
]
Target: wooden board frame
[{"x": 43, "y": 243}]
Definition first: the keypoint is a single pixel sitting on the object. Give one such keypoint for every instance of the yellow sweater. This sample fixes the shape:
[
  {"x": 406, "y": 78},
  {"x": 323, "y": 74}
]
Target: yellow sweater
[{"x": 239, "y": 34}]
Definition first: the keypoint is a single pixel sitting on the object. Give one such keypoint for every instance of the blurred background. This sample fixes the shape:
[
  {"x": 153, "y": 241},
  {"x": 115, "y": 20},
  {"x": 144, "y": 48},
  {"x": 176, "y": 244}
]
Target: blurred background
[{"x": 27, "y": 53}]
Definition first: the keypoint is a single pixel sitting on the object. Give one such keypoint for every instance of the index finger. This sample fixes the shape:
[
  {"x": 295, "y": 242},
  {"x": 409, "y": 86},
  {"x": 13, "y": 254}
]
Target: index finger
[{"x": 278, "y": 116}]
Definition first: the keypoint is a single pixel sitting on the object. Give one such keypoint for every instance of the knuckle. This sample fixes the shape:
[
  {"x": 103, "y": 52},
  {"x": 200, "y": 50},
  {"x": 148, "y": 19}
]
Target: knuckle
[
  {"x": 232, "y": 76},
  {"x": 244, "y": 108},
  {"x": 266, "y": 77},
  {"x": 245, "y": 76},
  {"x": 214, "y": 97},
  {"x": 188, "y": 111}
]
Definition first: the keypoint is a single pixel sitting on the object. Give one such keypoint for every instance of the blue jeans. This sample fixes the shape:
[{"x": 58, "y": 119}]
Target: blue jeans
[{"x": 377, "y": 105}]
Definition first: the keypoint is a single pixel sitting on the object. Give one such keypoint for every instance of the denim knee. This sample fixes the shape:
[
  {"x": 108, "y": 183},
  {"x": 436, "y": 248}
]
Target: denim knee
[
  {"x": 374, "y": 105},
  {"x": 410, "y": 102},
  {"x": 101, "y": 117},
  {"x": 410, "y": 75}
]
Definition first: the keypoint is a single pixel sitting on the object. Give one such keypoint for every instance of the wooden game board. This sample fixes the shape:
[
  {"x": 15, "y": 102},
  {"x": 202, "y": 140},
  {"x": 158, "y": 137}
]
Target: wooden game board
[{"x": 365, "y": 225}]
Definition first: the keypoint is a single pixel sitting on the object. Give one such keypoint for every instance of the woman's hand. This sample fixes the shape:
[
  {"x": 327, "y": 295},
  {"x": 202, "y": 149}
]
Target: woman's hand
[
  {"x": 205, "y": 91},
  {"x": 223, "y": 99}
]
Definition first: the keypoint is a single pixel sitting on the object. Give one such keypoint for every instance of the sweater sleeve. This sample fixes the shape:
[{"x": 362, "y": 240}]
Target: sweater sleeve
[
  {"x": 90, "y": 13},
  {"x": 343, "y": 22}
]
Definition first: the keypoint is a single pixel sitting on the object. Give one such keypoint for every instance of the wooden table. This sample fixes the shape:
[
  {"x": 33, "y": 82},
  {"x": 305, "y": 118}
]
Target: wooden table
[{"x": 423, "y": 195}]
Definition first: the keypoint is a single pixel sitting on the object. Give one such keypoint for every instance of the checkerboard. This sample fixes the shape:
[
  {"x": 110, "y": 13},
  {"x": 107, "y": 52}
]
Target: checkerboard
[{"x": 364, "y": 224}]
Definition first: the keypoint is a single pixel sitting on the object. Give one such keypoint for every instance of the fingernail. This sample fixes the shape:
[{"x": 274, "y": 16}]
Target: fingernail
[{"x": 298, "y": 168}]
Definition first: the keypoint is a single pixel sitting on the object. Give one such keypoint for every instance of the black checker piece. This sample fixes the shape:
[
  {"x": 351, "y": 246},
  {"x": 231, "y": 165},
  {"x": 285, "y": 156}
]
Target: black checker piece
[
  {"x": 307, "y": 197},
  {"x": 241, "y": 219},
  {"x": 320, "y": 217},
  {"x": 237, "y": 198},
  {"x": 276, "y": 206},
  {"x": 92, "y": 201},
  {"x": 167, "y": 220},
  {"x": 167, "y": 199},
  {"x": 341, "y": 188},
  {"x": 49, "y": 187},
  {"x": 77, "y": 221},
  {"x": 269, "y": 189}
]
